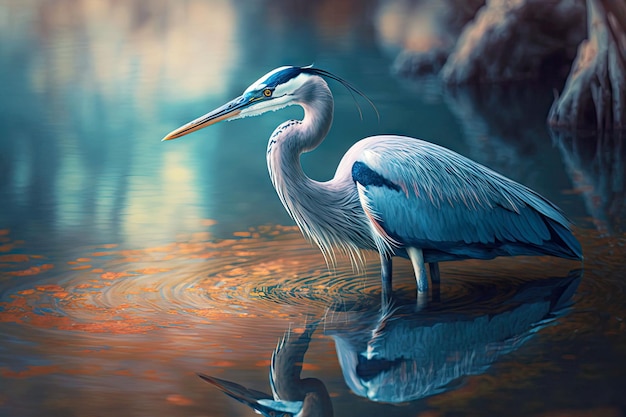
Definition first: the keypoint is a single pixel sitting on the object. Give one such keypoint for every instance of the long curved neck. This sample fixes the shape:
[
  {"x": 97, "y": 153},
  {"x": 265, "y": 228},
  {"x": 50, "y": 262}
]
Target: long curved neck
[
  {"x": 295, "y": 137},
  {"x": 325, "y": 212}
]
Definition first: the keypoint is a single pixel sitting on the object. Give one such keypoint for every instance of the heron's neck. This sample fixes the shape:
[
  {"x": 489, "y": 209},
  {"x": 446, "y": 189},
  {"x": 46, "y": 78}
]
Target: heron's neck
[
  {"x": 324, "y": 211},
  {"x": 295, "y": 137}
]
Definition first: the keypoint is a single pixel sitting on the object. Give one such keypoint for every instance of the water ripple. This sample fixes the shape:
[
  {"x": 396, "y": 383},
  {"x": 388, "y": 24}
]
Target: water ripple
[{"x": 267, "y": 272}]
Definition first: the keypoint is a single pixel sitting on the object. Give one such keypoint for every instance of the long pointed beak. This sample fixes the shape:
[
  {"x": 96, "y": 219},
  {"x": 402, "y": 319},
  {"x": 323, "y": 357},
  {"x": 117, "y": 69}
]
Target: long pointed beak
[
  {"x": 239, "y": 392},
  {"x": 260, "y": 402},
  {"x": 225, "y": 112}
]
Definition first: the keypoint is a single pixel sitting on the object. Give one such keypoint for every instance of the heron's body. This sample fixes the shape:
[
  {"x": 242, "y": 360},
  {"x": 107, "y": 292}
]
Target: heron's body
[{"x": 397, "y": 195}]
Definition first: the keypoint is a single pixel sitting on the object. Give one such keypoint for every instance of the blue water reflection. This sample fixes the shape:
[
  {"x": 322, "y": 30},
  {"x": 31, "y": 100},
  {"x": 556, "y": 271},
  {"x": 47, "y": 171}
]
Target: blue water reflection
[
  {"x": 90, "y": 94},
  {"x": 404, "y": 354},
  {"x": 398, "y": 354}
]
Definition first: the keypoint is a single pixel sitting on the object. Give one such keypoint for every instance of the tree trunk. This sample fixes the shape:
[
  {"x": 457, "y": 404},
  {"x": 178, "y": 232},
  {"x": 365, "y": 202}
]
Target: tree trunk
[
  {"x": 510, "y": 40},
  {"x": 425, "y": 31},
  {"x": 594, "y": 95}
]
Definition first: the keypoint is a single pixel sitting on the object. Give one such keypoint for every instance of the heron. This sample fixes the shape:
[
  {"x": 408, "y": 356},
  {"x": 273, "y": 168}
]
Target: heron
[
  {"x": 396, "y": 354},
  {"x": 291, "y": 396},
  {"x": 397, "y": 195}
]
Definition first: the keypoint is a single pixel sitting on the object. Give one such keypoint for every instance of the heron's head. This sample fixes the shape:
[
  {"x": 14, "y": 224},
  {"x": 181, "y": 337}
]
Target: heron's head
[
  {"x": 277, "y": 89},
  {"x": 273, "y": 91}
]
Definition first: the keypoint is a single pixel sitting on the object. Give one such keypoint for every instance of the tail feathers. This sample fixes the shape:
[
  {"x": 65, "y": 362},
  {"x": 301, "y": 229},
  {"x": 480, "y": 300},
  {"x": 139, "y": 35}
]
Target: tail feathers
[
  {"x": 562, "y": 242},
  {"x": 565, "y": 244}
]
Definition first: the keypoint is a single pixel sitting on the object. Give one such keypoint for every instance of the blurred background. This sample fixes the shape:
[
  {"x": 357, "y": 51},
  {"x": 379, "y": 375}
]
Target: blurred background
[{"x": 90, "y": 87}]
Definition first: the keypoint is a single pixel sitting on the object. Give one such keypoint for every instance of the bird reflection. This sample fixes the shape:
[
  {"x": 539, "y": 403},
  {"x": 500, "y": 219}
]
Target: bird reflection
[
  {"x": 291, "y": 395},
  {"x": 401, "y": 353},
  {"x": 406, "y": 354}
]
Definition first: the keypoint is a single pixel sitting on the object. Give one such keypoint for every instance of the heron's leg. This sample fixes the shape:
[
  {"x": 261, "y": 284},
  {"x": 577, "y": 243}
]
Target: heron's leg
[
  {"x": 385, "y": 274},
  {"x": 417, "y": 259},
  {"x": 434, "y": 272},
  {"x": 435, "y": 279}
]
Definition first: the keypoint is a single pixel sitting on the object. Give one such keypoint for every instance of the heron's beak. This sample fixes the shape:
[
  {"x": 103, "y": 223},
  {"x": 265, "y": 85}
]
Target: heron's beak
[
  {"x": 225, "y": 112},
  {"x": 260, "y": 402}
]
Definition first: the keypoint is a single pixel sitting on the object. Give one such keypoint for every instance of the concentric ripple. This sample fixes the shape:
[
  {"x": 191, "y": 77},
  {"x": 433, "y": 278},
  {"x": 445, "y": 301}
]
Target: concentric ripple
[
  {"x": 265, "y": 271},
  {"x": 270, "y": 271}
]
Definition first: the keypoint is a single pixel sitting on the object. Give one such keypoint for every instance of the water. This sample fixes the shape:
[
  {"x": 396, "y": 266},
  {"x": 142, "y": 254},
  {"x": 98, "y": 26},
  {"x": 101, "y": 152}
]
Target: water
[{"x": 128, "y": 265}]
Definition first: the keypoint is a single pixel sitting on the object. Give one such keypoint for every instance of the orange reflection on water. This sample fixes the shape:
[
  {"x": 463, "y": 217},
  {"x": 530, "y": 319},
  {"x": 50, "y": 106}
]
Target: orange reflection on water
[
  {"x": 33, "y": 270},
  {"x": 199, "y": 279},
  {"x": 125, "y": 291},
  {"x": 150, "y": 318}
]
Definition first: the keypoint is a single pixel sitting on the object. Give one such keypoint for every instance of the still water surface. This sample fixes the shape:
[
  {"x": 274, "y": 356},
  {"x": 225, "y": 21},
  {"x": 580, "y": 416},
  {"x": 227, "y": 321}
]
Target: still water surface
[{"x": 128, "y": 265}]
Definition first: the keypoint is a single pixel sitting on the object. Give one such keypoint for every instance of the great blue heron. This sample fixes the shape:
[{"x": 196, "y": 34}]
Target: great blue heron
[
  {"x": 291, "y": 395},
  {"x": 398, "y": 195}
]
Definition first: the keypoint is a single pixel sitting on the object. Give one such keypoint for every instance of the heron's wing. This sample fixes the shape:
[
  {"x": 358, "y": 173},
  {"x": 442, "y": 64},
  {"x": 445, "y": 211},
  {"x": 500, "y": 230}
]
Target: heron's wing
[
  {"x": 420, "y": 193},
  {"x": 286, "y": 364}
]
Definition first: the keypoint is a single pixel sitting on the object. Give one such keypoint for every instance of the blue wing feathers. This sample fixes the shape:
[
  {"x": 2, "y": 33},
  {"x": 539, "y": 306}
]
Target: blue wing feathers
[
  {"x": 428, "y": 196},
  {"x": 565, "y": 235}
]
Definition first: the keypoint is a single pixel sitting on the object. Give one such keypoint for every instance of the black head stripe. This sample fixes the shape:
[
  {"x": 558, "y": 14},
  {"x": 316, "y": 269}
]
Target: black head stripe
[{"x": 283, "y": 76}]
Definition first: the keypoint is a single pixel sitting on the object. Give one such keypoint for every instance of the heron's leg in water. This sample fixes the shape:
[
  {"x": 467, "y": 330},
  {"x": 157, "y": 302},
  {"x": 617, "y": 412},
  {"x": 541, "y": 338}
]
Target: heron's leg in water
[
  {"x": 435, "y": 279},
  {"x": 434, "y": 272},
  {"x": 417, "y": 259},
  {"x": 385, "y": 274}
]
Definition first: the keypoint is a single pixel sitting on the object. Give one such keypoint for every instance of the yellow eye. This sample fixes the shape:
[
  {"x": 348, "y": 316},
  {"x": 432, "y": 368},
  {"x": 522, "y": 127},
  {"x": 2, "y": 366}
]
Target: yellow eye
[{"x": 267, "y": 92}]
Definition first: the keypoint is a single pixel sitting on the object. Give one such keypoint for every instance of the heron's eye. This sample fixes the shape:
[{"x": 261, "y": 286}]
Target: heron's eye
[{"x": 267, "y": 92}]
